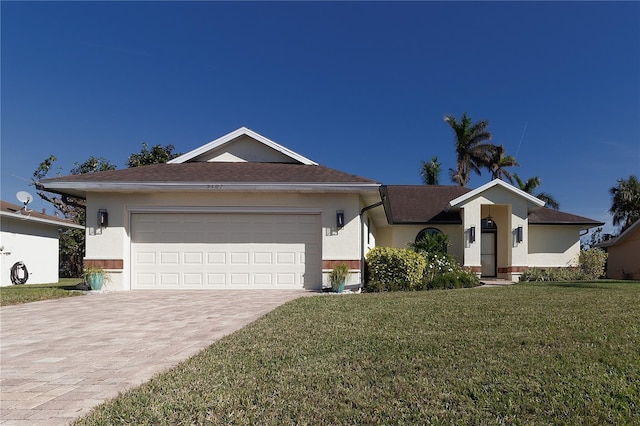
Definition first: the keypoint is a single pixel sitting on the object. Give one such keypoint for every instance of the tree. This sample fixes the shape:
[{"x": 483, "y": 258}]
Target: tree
[
  {"x": 625, "y": 205},
  {"x": 72, "y": 241},
  {"x": 499, "y": 162},
  {"x": 530, "y": 186},
  {"x": 157, "y": 155},
  {"x": 472, "y": 153},
  {"x": 430, "y": 171}
]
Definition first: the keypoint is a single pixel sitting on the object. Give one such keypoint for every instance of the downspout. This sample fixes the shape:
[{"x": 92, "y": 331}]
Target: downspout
[{"x": 365, "y": 209}]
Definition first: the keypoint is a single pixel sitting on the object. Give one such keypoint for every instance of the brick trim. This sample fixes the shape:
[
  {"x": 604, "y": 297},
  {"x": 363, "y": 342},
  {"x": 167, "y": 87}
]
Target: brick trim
[
  {"x": 473, "y": 268},
  {"x": 510, "y": 269},
  {"x": 104, "y": 263},
  {"x": 352, "y": 264}
]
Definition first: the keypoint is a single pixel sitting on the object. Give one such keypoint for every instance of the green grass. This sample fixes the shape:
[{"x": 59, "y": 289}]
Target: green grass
[
  {"x": 16, "y": 294},
  {"x": 525, "y": 354}
]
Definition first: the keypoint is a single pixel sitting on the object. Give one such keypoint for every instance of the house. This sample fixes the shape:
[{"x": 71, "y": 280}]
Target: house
[
  {"x": 243, "y": 211},
  {"x": 29, "y": 237},
  {"x": 623, "y": 262}
]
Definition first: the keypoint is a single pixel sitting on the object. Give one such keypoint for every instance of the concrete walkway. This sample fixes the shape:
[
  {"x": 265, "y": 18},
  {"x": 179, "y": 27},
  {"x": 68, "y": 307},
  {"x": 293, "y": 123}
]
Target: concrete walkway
[{"x": 59, "y": 358}]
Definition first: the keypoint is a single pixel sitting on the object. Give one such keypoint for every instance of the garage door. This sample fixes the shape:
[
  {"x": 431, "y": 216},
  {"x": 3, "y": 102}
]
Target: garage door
[{"x": 215, "y": 250}]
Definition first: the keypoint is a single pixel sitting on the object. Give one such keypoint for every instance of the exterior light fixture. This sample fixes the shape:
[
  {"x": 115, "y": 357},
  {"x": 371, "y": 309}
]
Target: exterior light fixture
[
  {"x": 519, "y": 236},
  {"x": 340, "y": 219},
  {"x": 489, "y": 219},
  {"x": 472, "y": 234},
  {"x": 103, "y": 218}
]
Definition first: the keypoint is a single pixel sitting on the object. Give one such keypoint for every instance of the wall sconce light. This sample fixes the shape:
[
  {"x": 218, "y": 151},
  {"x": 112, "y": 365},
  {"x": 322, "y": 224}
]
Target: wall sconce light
[
  {"x": 340, "y": 219},
  {"x": 519, "y": 234},
  {"x": 472, "y": 234},
  {"x": 103, "y": 218}
]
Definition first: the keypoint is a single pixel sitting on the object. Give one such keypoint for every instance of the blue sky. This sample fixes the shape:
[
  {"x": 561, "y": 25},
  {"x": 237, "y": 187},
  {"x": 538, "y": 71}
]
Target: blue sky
[{"x": 360, "y": 86}]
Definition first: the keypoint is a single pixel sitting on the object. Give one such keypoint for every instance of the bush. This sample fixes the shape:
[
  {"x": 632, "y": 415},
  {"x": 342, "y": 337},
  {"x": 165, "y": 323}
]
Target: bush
[
  {"x": 591, "y": 267},
  {"x": 393, "y": 269},
  {"x": 552, "y": 274},
  {"x": 431, "y": 244},
  {"x": 592, "y": 263}
]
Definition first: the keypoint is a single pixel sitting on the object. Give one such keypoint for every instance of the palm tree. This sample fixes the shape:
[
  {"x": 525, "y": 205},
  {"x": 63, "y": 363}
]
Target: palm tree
[
  {"x": 499, "y": 163},
  {"x": 625, "y": 206},
  {"x": 430, "y": 171},
  {"x": 472, "y": 153},
  {"x": 530, "y": 186}
]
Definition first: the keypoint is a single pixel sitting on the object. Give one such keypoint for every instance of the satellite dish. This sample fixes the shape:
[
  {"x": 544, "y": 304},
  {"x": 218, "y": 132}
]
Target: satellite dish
[{"x": 24, "y": 197}]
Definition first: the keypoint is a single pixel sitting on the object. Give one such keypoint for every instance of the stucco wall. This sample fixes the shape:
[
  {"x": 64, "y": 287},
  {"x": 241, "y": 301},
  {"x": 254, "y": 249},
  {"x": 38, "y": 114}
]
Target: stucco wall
[
  {"x": 509, "y": 211},
  {"x": 35, "y": 244},
  {"x": 113, "y": 242},
  {"x": 400, "y": 236},
  {"x": 553, "y": 246},
  {"x": 624, "y": 258}
]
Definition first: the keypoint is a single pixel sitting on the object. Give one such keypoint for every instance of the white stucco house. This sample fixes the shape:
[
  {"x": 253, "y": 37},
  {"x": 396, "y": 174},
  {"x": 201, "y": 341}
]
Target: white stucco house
[
  {"x": 245, "y": 212},
  {"x": 30, "y": 237}
]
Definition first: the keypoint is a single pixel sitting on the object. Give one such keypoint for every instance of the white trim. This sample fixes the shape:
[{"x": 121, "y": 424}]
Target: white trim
[
  {"x": 242, "y": 131},
  {"x": 57, "y": 223},
  {"x": 461, "y": 199},
  {"x": 223, "y": 209},
  {"x": 209, "y": 186}
]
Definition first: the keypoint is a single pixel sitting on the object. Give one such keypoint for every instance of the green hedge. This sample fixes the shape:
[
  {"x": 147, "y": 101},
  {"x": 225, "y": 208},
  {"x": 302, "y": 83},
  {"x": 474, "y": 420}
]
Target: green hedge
[
  {"x": 393, "y": 269},
  {"x": 591, "y": 265}
]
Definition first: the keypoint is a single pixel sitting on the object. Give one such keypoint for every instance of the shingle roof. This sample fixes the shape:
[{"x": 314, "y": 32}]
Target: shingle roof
[
  {"x": 8, "y": 209},
  {"x": 547, "y": 216},
  {"x": 215, "y": 172},
  {"x": 422, "y": 204}
]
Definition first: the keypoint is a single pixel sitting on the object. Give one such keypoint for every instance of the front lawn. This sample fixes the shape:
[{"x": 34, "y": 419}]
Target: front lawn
[
  {"x": 553, "y": 353},
  {"x": 25, "y": 293}
]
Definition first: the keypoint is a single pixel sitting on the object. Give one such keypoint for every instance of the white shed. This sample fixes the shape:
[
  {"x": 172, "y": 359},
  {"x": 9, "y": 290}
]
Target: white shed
[{"x": 29, "y": 237}]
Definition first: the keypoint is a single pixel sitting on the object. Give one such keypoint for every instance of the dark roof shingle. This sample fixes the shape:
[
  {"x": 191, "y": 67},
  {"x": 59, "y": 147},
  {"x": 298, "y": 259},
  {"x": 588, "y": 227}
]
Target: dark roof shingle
[
  {"x": 421, "y": 204},
  {"x": 547, "y": 216},
  {"x": 218, "y": 172}
]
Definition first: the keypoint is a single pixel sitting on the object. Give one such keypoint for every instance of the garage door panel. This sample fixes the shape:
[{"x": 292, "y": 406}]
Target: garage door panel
[
  {"x": 250, "y": 250},
  {"x": 193, "y": 258}
]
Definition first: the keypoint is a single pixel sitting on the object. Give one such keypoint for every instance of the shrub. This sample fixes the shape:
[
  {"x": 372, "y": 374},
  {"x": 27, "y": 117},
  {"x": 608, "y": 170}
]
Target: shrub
[
  {"x": 394, "y": 269},
  {"x": 454, "y": 279},
  {"x": 552, "y": 274},
  {"x": 591, "y": 267},
  {"x": 592, "y": 263},
  {"x": 431, "y": 244}
]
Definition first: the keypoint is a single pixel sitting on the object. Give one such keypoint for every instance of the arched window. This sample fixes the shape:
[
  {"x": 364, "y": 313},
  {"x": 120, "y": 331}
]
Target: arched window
[
  {"x": 433, "y": 232},
  {"x": 489, "y": 225},
  {"x": 427, "y": 231}
]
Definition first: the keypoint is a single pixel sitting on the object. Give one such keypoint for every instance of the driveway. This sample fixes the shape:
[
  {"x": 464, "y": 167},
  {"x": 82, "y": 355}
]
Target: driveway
[{"x": 59, "y": 358}]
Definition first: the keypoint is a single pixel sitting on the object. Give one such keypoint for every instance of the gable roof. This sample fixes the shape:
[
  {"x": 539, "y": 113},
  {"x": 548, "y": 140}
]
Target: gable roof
[
  {"x": 496, "y": 182},
  {"x": 430, "y": 204},
  {"x": 547, "y": 216},
  {"x": 13, "y": 211},
  {"x": 635, "y": 227},
  {"x": 210, "y": 175},
  {"x": 234, "y": 136},
  {"x": 421, "y": 204}
]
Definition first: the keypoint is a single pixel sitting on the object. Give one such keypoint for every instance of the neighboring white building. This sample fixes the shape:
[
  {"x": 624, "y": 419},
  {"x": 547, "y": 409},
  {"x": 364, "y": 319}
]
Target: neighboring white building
[
  {"x": 32, "y": 238},
  {"x": 245, "y": 212}
]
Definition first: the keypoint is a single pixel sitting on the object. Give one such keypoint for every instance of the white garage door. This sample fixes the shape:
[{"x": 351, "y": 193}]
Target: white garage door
[{"x": 199, "y": 251}]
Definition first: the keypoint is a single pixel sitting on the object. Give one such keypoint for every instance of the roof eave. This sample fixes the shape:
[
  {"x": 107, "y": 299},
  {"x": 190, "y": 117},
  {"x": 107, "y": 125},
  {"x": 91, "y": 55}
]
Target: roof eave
[
  {"x": 57, "y": 223},
  {"x": 69, "y": 188},
  {"x": 242, "y": 131},
  {"x": 496, "y": 182}
]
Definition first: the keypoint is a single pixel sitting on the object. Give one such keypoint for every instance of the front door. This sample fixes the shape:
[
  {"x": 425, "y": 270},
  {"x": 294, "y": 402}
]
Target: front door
[{"x": 488, "y": 254}]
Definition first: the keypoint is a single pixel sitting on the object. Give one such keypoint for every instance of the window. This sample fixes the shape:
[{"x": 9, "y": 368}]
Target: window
[{"x": 427, "y": 231}]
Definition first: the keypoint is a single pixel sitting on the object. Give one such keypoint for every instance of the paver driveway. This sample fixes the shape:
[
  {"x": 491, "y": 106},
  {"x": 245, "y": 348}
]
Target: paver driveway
[{"x": 59, "y": 358}]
